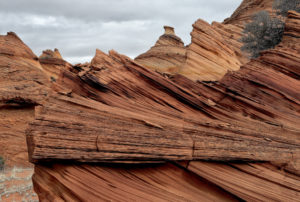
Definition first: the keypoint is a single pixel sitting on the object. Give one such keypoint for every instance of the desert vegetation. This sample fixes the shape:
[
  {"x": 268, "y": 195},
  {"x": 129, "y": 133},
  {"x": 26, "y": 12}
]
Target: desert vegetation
[
  {"x": 265, "y": 32},
  {"x": 1, "y": 163},
  {"x": 283, "y": 6}
]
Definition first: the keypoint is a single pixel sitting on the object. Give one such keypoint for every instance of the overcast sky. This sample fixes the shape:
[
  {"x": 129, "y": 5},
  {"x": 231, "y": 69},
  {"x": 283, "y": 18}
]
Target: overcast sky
[{"x": 78, "y": 27}]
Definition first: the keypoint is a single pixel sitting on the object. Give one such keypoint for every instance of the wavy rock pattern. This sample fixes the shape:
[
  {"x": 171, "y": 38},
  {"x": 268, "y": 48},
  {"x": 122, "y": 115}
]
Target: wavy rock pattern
[
  {"x": 132, "y": 105},
  {"x": 115, "y": 110},
  {"x": 214, "y": 50},
  {"x": 167, "y": 55},
  {"x": 102, "y": 112},
  {"x": 118, "y": 183}
]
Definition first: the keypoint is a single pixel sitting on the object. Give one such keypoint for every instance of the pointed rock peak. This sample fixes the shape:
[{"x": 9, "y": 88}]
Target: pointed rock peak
[
  {"x": 169, "y": 30},
  {"x": 13, "y": 34},
  {"x": 12, "y": 45},
  {"x": 101, "y": 59},
  {"x": 47, "y": 54}
]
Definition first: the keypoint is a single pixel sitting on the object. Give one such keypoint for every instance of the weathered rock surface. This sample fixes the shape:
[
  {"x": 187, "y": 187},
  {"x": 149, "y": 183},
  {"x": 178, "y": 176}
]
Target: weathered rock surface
[
  {"x": 159, "y": 182},
  {"x": 245, "y": 11},
  {"x": 167, "y": 55},
  {"x": 23, "y": 84},
  {"x": 115, "y": 110},
  {"x": 135, "y": 104},
  {"x": 22, "y": 77},
  {"x": 52, "y": 62},
  {"x": 251, "y": 182},
  {"x": 214, "y": 50}
]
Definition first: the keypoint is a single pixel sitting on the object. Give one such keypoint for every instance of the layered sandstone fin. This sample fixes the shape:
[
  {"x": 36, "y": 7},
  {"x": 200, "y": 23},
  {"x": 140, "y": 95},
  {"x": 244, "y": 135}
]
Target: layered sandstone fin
[
  {"x": 214, "y": 50},
  {"x": 137, "y": 114},
  {"x": 250, "y": 114}
]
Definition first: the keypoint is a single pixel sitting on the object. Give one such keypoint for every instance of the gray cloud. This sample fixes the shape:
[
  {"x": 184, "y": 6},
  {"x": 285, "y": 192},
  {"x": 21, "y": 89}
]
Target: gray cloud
[{"x": 130, "y": 27}]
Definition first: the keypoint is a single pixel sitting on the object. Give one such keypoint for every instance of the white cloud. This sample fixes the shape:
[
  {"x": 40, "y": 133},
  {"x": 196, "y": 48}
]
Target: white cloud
[{"x": 130, "y": 27}]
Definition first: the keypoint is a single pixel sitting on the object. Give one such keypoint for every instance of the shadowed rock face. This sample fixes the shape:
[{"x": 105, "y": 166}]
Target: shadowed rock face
[{"x": 167, "y": 55}]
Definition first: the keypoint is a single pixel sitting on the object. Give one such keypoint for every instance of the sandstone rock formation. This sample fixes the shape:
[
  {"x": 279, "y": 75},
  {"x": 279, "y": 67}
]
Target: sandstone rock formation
[
  {"x": 167, "y": 55},
  {"x": 52, "y": 63},
  {"x": 22, "y": 77},
  {"x": 214, "y": 50},
  {"x": 118, "y": 111},
  {"x": 247, "y": 8},
  {"x": 160, "y": 182},
  {"x": 23, "y": 85},
  {"x": 173, "y": 122}
]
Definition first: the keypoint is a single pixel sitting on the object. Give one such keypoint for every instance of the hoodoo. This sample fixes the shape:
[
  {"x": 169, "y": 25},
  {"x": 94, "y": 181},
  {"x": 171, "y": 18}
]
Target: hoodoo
[{"x": 167, "y": 55}]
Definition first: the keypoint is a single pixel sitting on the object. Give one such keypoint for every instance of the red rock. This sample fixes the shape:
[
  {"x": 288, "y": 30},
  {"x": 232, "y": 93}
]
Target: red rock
[
  {"x": 52, "y": 62},
  {"x": 167, "y": 55},
  {"x": 259, "y": 102},
  {"x": 245, "y": 11},
  {"x": 127, "y": 93},
  {"x": 214, "y": 50},
  {"x": 117, "y": 111},
  {"x": 118, "y": 183},
  {"x": 23, "y": 85}
]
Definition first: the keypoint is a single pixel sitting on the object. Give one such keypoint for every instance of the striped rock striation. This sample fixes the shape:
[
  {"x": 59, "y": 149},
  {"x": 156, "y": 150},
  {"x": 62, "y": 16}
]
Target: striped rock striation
[
  {"x": 117, "y": 111},
  {"x": 23, "y": 84},
  {"x": 113, "y": 129},
  {"x": 167, "y": 55},
  {"x": 214, "y": 48}
]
